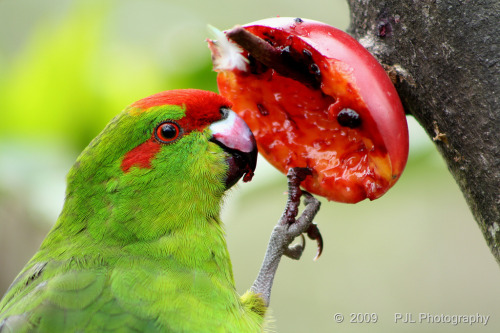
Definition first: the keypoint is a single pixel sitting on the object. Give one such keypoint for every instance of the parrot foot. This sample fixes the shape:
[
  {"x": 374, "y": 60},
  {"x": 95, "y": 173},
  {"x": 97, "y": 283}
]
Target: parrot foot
[
  {"x": 288, "y": 228},
  {"x": 304, "y": 222}
]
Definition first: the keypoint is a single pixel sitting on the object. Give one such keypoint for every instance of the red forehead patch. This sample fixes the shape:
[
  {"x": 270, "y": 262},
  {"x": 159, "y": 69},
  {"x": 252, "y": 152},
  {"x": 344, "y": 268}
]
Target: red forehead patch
[{"x": 202, "y": 107}]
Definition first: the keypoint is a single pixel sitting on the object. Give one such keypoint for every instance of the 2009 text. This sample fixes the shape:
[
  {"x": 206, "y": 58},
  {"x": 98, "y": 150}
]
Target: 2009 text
[{"x": 363, "y": 318}]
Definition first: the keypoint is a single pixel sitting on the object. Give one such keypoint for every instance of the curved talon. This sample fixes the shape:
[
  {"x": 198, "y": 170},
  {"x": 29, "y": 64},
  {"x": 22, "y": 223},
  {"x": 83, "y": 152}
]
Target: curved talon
[
  {"x": 312, "y": 230},
  {"x": 314, "y": 234}
]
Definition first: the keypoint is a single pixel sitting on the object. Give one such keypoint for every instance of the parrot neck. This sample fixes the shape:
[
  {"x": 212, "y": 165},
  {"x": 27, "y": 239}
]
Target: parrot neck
[
  {"x": 186, "y": 237},
  {"x": 124, "y": 215},
  {"x": 113, "y": 213}
]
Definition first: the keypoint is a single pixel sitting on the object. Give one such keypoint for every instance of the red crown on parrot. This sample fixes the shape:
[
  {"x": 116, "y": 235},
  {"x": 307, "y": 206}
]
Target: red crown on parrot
[{"x": 202, "y": 107}]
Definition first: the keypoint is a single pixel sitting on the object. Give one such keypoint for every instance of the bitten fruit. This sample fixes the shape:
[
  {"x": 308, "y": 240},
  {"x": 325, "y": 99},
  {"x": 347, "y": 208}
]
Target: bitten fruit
[{"x": 314, "y": 97}]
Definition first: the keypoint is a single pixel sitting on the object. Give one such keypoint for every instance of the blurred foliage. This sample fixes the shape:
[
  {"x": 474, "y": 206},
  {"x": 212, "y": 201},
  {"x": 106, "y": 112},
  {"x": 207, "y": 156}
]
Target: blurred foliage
[{"x": 70, "y": 80}]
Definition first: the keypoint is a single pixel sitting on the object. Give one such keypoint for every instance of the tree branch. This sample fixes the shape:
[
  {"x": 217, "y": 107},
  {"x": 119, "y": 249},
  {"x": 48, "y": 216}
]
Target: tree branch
[{"x": 444, "y": 58}]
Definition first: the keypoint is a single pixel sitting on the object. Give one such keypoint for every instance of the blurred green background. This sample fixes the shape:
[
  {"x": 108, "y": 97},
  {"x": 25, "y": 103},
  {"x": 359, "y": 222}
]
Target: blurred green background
[{"x": 68, "y": 66}]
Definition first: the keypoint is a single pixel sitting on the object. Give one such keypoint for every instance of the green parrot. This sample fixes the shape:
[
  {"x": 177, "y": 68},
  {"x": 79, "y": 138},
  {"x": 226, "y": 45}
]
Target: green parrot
[{"x": 139, "y": 245}]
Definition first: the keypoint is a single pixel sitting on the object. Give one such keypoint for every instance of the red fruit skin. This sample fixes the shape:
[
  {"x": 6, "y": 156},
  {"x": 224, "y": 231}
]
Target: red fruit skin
[{"x": 350, "y": 78}]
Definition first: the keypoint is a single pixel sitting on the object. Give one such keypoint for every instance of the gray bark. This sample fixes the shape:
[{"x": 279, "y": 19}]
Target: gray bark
[{"x": 444, "y": 58}]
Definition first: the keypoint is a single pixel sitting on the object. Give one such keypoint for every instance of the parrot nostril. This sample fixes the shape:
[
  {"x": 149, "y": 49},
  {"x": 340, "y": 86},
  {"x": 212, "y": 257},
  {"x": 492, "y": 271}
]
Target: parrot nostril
[{"x": 224, "y": 113}]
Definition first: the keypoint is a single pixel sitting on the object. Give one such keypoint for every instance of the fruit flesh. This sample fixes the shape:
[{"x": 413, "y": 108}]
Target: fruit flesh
[{"x": 296, "y": 124}]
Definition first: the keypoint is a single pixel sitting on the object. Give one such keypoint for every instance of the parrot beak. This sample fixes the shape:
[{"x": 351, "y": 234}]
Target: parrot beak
[{"x": 232, "y": 134}]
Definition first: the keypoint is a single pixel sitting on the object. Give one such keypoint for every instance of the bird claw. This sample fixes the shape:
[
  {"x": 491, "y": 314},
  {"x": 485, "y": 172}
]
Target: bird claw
[
  {"x": 314, "y": 234},
  {"x": 303, "y": 224},
  {"x": 288, "y": 228}
]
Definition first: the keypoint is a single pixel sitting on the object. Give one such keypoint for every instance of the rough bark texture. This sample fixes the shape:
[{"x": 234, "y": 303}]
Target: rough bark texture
[{"x": 444, "y": 57}]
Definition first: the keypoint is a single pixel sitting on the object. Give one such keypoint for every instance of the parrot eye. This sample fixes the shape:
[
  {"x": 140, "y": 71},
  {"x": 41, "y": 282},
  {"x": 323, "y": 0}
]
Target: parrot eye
[{"x": 167, "y": 132}]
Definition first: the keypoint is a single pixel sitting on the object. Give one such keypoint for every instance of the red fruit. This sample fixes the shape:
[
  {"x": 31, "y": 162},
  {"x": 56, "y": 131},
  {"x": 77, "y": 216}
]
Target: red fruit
[{"x": 321, "y": 101}]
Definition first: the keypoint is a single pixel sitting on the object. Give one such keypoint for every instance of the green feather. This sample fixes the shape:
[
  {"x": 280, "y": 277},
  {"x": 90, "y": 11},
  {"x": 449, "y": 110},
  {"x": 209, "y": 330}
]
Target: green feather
[{"x": 142, "y": 250}]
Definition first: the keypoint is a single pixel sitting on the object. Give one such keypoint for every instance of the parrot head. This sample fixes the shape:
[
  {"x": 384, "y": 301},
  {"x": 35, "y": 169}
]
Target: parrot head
[
  {"x": 172, "y": 154},
  {"x": 183, "y": 117}
]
